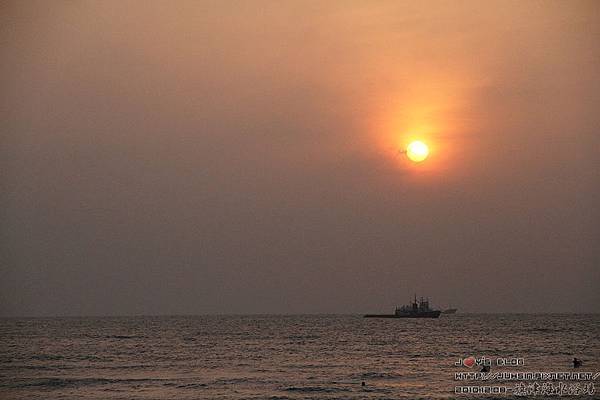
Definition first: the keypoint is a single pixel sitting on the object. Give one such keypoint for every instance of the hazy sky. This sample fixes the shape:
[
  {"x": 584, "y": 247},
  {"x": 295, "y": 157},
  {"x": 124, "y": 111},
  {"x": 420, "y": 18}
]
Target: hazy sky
[{"x": 242, "y": 157}]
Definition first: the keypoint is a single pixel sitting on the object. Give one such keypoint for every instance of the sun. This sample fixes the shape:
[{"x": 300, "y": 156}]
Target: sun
[{"x": 417, "y": 151}]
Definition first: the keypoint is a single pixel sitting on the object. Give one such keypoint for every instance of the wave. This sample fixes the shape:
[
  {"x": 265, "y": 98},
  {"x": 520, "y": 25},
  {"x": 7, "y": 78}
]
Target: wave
[
  {"x": 47, "y": 357},
  {"x": 236, "y": 381},
  {"x": 376, "y": 375},
  {"x": 55, "y": 383},
  {"x": 192, "y": 386},
  {"x": 303, "y": 337},
  {"x": 125, "y": 337},
  {"x": 315, "y": 389}
]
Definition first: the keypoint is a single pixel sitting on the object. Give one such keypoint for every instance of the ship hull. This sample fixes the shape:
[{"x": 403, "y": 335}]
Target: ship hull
[{"x": 426, "y": 314}]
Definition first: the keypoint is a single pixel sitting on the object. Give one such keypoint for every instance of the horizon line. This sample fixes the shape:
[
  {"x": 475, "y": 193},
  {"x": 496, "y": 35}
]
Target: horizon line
[{"x": 268, "y": 314}]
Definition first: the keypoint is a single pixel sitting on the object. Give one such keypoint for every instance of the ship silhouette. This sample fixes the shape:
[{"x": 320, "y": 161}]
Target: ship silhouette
[{"x": 413, "y": 310}]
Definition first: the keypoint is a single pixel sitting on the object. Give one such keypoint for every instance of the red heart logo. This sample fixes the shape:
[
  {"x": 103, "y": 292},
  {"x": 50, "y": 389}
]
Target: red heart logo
[{"x": 469, "y": 362}]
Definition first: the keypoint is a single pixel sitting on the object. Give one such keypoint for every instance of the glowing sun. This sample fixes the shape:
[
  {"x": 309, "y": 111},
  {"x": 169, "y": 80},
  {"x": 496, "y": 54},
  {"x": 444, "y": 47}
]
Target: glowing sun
[{"x": 417, "y": 151}]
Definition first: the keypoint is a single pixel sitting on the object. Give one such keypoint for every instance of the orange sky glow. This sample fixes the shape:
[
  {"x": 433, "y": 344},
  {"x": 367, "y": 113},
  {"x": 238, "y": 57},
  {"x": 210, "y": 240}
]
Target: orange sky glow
[{"x": 252, "y": 150}]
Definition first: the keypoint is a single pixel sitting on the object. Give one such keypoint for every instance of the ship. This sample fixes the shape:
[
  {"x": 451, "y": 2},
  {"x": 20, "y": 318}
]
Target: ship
[
  {"x": 413, "y": 310},
  {"x": 450, "y": 311}
]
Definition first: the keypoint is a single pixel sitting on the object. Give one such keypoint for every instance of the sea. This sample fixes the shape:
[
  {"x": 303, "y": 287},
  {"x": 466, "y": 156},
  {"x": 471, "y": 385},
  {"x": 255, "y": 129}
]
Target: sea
[{"x": 296, "y": 357}]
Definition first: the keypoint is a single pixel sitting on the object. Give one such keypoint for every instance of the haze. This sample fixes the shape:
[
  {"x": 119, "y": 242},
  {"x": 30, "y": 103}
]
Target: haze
[{"x": 243, "y": 157}]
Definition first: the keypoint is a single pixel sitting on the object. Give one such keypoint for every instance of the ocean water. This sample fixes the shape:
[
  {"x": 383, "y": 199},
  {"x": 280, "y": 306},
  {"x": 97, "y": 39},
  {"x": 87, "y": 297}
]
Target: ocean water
[{"x": 279, "y": 357}]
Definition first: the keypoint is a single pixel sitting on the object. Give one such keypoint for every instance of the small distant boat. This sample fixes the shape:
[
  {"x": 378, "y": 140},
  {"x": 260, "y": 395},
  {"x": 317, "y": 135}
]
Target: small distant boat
[
  {"x": 450, "y": 311},
  {"x": 413, "y": 310}
]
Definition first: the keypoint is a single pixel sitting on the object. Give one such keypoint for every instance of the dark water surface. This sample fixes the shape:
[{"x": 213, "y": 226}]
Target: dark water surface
[{"x": 277, "y": 357}]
